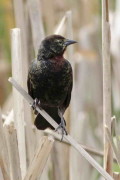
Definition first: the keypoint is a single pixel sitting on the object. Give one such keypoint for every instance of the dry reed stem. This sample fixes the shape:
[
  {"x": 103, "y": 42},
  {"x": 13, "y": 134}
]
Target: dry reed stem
[
  {"x": 21, "y": 23},
  {"x": 113, "y": 119},
  {"x": 3, "y": 169},
  {"x": 60, "y": 26},
  {"x": 67, "y": 137},
  {"x": 106, "y": 85},
  {"x": 20, "y": 20},
  {"x": 116, "y": 176},
  {"x": 88, "y": 149},
  {"x": 18, "y": 102},
  {"x": 39, "y": 160},
  {"x": 116, "y": 152},
  {"x": 22, "y": 112},
  {"x": 12, "y": 146},
  {"x": 38, "y": 34},
  {"x": 4, "y": 163}
]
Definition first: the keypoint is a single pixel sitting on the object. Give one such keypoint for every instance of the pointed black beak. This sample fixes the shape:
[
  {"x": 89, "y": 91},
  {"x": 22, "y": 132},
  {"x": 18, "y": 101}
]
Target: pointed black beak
[{"x": 69, "y": 42}]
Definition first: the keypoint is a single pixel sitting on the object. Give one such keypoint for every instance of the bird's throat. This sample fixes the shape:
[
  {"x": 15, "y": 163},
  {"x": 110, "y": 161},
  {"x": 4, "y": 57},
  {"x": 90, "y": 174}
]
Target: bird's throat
[{"x": 58, "y": 59}]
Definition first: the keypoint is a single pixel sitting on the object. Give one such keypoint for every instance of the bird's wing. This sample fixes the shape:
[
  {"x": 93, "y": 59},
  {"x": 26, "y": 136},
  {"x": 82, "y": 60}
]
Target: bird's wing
[
  {"x": 68, "y": 98},
  {"x": 29, "y": 85},
  {"x": 29, "y": 78}
]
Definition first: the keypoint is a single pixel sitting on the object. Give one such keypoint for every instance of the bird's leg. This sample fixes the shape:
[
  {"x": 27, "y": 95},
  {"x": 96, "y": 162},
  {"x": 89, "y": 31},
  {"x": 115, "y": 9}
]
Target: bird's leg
[
  {"x": 62, "y": 124},
  {"x": 35, "y": 104}
]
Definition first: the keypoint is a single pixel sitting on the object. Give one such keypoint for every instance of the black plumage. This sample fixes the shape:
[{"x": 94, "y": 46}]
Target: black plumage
[{"x": 50, "y": 79}]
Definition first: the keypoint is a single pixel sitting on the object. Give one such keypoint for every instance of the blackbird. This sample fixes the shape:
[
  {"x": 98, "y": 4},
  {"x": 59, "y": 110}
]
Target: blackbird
[{"x": 50, "y": 81}]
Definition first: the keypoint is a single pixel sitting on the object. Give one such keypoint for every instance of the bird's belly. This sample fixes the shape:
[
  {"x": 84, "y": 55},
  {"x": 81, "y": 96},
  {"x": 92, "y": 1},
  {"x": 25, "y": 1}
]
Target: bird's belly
[{"x": 52, "y": 93}]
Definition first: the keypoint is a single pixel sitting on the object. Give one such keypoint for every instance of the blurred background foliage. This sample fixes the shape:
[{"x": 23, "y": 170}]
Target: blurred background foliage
[{"x": 6, "y": 23}]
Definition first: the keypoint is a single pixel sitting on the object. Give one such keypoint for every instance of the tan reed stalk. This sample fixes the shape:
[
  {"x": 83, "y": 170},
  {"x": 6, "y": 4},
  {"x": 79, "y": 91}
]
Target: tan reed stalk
[{"x": 106, "y": 85}]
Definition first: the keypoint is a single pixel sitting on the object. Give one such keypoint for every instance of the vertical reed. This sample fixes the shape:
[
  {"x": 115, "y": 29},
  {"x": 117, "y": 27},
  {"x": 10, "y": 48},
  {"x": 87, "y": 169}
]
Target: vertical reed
[{"x": 106, "y": 84}]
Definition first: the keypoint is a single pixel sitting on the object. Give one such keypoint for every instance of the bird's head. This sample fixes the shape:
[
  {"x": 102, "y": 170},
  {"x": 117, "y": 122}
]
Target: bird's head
[{"x": 53, "y": 46}]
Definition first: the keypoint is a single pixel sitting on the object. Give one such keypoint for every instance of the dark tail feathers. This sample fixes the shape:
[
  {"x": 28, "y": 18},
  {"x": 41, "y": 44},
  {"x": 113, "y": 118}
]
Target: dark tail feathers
[{"x": 41, "y": 123}]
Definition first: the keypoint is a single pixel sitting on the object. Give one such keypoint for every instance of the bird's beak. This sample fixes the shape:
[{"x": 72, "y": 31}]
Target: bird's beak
[{"x": 69, "y": 42}]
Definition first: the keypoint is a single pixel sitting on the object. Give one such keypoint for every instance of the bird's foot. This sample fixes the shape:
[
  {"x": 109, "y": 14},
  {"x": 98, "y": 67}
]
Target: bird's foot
[
  {"x": 63, "y": 129},
  {"x": 35, "y": 104}
]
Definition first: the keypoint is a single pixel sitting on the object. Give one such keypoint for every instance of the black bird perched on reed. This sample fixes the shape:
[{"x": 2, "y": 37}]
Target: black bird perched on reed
[{"x": 50, "y": 81}]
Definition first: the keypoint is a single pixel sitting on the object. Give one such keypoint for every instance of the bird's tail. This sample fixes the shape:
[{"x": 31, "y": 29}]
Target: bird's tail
[{"x": 41, "y": 123}]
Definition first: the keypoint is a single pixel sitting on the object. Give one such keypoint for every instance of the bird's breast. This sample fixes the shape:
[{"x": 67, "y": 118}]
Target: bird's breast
[{"x": 51, "y": 82}]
